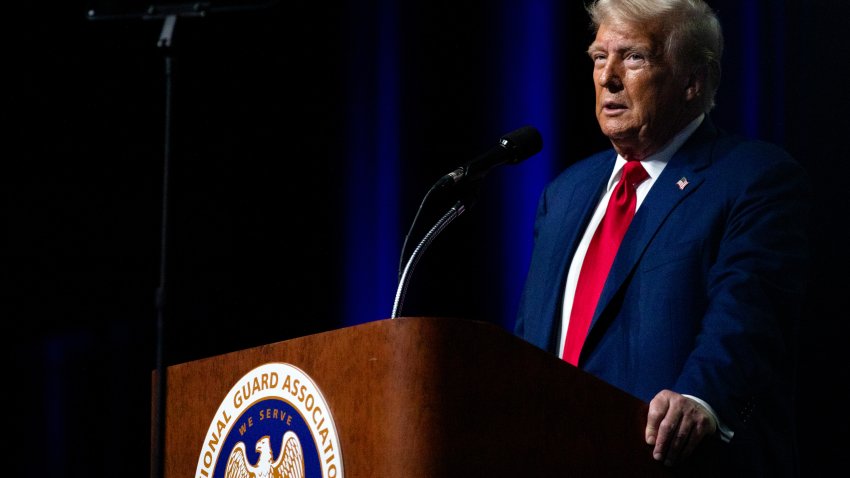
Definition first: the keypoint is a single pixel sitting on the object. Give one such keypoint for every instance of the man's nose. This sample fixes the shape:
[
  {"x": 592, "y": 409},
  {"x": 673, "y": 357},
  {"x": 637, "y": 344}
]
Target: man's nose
[{"x": 609, "y": 76}]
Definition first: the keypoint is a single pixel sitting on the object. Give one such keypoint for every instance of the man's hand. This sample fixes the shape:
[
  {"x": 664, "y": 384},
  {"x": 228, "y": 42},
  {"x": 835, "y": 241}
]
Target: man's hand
[{"x": 676, "y": 425}]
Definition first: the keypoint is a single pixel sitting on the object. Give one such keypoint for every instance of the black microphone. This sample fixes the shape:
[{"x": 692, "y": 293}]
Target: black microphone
[{"x": 514, "y": 147}]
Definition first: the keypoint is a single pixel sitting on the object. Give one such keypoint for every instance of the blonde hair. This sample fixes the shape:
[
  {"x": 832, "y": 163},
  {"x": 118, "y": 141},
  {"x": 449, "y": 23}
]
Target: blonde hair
[{"x": 694, "y": 38}]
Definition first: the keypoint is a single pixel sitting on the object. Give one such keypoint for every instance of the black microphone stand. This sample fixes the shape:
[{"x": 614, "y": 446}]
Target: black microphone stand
[
  {"x": 164, "y": 43},
  {"x": 168, "y": 14}
]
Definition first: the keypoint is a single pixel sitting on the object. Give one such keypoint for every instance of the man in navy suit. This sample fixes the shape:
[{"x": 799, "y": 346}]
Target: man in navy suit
[{"x": 698, "y": 313}]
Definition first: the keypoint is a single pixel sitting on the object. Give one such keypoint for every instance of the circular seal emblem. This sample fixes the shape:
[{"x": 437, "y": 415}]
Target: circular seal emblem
[{"x": 274, "y": 422}]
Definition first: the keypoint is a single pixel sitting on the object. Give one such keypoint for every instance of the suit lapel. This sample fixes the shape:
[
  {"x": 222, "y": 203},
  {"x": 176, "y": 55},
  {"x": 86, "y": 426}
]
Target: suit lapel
[
  {"x": 578, "y": 206},
  {"x": 573, "y": 227}
]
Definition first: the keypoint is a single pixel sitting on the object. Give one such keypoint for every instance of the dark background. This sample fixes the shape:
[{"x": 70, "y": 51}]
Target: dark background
[{"x": 304, "y": 136}]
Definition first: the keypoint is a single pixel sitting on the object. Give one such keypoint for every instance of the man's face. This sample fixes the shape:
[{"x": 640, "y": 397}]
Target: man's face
[{"x": 640, "y": 104}]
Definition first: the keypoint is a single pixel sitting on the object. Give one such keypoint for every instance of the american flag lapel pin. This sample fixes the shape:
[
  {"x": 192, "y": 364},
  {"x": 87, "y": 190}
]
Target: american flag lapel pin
[{"x": 682, "y": 183}]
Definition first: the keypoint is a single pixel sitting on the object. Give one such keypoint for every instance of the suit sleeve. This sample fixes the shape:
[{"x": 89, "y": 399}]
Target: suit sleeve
[{"x": 745, "y": 349}]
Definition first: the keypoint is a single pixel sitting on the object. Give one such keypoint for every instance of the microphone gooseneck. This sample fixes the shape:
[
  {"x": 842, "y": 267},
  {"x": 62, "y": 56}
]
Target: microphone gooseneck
[
  {"x": 514, "y": 147},
  {"x": 426, "y": 241}
]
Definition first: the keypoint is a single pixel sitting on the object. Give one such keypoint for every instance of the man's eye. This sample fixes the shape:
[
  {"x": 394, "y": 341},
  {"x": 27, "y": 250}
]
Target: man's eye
[{"x": 634, "y": 57}]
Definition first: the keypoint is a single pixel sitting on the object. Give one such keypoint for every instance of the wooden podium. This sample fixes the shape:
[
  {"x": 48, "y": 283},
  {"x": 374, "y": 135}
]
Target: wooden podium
[{"x": 432, "y": 397}]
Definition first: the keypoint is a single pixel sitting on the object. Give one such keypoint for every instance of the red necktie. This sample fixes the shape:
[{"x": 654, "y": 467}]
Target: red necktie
[{"x": 600, "y": 255}]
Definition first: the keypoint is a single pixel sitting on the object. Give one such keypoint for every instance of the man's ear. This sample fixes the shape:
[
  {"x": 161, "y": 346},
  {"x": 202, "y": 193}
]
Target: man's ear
[
  {"x": 695, "y": 86},
  {"x": 702, "y": 78}
]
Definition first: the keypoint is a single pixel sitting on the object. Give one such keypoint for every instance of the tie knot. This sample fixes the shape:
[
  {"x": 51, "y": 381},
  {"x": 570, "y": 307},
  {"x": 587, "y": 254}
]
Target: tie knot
[{"x": 633, "y": 173}]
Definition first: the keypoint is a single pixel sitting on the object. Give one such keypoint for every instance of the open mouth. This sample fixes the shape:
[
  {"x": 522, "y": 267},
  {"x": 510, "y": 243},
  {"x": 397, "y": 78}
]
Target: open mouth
[{"x": 613, "y": 107}]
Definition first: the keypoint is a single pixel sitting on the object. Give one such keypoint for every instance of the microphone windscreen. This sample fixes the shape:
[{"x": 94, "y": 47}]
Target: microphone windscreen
[{"x": 523, "y": 143}]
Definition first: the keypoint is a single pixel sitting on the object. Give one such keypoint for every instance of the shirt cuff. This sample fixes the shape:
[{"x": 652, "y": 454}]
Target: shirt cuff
[{"x": 723, "y": 431}]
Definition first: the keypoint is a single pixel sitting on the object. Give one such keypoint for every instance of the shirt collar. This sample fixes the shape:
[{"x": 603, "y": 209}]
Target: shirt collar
[{"x": 655, "y": 162}]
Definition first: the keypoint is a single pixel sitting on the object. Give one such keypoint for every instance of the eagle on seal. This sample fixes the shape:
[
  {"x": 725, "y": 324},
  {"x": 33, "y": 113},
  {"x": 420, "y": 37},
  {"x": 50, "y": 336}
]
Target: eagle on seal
[{"x": 289, "y": 464}]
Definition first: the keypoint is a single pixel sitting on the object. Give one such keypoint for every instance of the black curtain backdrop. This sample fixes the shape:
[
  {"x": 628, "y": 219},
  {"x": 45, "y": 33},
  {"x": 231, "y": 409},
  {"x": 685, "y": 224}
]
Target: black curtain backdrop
[{"x": 304, "y": 138}]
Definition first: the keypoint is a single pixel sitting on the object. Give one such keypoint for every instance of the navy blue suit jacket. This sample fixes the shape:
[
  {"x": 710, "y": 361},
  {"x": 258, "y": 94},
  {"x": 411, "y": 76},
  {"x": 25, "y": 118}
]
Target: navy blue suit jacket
[{"x": 705, "y": 293}]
